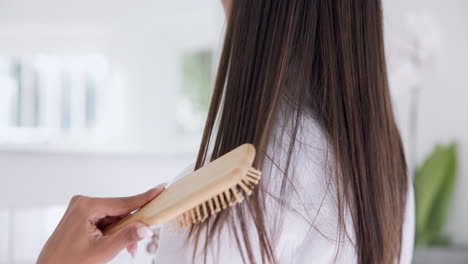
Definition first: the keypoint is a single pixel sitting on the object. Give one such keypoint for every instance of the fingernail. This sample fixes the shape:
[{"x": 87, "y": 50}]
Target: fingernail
[
  {"x": 132, "y": 253},
  {"x": 144, "y": 232}
]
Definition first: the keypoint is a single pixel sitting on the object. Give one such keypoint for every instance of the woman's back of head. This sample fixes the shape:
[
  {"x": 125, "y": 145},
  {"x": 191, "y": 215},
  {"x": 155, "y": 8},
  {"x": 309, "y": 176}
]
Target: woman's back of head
[{"x": 324, "y": 58}]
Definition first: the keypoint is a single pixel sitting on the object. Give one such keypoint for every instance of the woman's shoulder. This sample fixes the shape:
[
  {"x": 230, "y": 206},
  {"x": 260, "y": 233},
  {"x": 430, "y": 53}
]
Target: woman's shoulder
[
  {"x": 298, "y": 176},
  {"x": 299, "y": 152}
]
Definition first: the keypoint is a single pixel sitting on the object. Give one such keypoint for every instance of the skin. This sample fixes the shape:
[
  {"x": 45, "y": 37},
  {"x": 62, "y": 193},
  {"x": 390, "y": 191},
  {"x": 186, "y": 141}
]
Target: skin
[
  {"x": 226, "y": 4},
  {"x": 78, "y": 237}
]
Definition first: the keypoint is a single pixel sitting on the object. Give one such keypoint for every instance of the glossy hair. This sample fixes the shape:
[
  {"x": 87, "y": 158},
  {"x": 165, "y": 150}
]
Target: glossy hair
[{"x": 326, "y": 58}]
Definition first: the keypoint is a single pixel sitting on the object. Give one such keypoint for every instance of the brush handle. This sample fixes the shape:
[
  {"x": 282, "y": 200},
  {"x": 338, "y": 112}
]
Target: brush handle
[
  {"x": 135, "y": 217},
  {"x": 221, "y": 175},
  {"x": 177, "y": 199}
]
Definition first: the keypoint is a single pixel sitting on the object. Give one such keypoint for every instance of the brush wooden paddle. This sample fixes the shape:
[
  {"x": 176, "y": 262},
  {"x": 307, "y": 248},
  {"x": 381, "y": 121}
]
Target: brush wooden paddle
[{"x": 218, "y": 185}]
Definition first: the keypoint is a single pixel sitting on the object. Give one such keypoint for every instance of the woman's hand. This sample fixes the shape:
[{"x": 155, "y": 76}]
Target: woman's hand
[{"x": 78, "y": 237}]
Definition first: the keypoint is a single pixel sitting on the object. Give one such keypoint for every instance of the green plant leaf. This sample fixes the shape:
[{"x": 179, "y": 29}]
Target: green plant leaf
[
  {"x": 427, "y": 181},
  {"x": 434, "y": 183},
  {"x": 439, "y": 213}
]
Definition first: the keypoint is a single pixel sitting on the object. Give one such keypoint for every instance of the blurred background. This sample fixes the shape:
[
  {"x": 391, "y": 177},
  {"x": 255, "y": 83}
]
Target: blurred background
[{"x": 108, "y": 98}]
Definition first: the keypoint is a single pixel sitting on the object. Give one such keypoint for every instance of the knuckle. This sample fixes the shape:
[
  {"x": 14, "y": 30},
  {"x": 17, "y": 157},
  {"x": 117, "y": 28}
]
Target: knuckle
[
  {"x": 81, "y": 202},
  {"x": 128, "y": 203},
  {"x": 75, "y": 198}
]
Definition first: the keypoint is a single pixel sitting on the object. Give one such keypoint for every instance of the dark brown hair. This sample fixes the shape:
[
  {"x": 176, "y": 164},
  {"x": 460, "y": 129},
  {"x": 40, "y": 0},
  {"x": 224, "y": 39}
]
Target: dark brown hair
[{"x": 324, "y": 57}]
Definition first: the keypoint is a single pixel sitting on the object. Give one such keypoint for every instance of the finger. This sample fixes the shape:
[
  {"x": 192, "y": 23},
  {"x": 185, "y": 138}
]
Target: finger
[
  {"x": 132, "y": 250},
  {"x": 129, "y": 235},
  {"x": 107, "y": 221},
  {"x": 123, "y": 206}
]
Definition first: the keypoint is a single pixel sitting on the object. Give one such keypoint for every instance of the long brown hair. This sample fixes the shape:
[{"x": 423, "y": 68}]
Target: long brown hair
[{"x": 324, "y": 57}]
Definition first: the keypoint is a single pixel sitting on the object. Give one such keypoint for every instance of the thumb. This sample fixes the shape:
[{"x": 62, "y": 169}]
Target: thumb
[{"x": 130, "y": 234}]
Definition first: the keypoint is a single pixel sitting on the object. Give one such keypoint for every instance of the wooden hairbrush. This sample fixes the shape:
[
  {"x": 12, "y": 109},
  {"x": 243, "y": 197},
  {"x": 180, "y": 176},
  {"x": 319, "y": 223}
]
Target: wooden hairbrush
[{"x": 218, "y": 185}]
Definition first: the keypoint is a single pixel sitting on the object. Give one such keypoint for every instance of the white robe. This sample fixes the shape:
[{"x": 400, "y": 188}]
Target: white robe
[{"x": 298, "y": 240}]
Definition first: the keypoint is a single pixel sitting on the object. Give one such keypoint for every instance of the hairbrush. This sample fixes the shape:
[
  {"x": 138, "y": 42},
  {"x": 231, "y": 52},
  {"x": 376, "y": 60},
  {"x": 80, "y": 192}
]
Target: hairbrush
[{"x": 207, "y": 191}]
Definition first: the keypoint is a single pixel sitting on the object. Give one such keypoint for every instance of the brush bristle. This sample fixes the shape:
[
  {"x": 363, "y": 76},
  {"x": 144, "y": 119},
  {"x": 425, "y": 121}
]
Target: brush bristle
[{"x": 223, "y": 200}]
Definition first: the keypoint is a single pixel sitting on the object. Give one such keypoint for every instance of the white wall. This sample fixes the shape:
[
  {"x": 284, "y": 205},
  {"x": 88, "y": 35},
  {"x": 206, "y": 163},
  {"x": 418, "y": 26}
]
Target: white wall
[
  {"x": 40, "y": 179},
  {"x": 443, "y": 102}
]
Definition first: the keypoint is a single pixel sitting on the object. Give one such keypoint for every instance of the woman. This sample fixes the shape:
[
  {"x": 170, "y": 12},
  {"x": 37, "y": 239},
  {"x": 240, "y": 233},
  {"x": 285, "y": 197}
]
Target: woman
[{"x": 305, "y": 81}]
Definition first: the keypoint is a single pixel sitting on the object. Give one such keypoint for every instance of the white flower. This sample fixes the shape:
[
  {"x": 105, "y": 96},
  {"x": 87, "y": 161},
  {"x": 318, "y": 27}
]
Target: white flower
[
  {"x": 424, "y": 39},
  {"x": 404, "y": 77}
]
